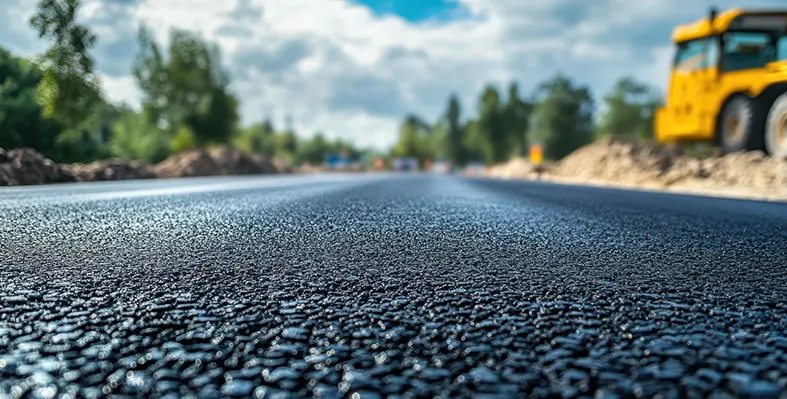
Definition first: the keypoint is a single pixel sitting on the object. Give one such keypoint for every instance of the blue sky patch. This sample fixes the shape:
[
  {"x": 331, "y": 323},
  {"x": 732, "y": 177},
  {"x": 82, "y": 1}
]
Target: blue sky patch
[{"x": 417, "y": 10}]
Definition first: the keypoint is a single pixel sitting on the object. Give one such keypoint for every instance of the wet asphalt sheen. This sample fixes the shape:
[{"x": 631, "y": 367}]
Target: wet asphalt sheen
[{"x": 388, "y": 286}]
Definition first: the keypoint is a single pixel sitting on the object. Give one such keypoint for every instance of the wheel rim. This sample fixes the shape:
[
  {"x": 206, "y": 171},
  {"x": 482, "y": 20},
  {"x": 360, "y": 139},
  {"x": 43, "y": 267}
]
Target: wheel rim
[{"x": 733, "y": 129}]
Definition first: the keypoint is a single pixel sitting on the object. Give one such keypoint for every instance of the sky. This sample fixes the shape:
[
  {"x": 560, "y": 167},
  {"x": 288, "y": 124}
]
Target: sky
[{"x": 353, "y": 68}]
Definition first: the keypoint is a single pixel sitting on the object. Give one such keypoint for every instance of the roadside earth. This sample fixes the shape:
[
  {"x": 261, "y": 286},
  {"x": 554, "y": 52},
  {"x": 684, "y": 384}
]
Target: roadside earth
[
  {"x": 25, "y": 166},
  {"x": 646, "y": 165}
]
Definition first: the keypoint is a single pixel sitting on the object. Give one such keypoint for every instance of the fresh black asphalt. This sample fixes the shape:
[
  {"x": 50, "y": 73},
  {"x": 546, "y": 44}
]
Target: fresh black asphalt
[{"x": 388, "y": 286}]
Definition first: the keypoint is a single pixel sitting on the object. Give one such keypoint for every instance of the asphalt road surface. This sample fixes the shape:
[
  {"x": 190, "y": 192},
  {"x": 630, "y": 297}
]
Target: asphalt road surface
[{"x": 375, "y": 286}]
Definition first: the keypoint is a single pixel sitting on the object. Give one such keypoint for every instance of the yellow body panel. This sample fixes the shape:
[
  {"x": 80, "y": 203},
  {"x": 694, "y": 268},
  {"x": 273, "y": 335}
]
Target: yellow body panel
[
  {"x": 695, "y": 99},
  {"x": 702, "y": 28},
  {"x": 695, "y": 96}
]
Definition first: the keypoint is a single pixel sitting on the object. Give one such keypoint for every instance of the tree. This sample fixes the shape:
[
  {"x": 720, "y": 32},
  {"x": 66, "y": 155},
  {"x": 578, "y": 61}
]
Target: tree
[
  {"x": 151, "y": 74},
  {"x": 259, "y": 138},
  {"x": 474, "y": 144},
  {"x": 21, "y": 121},
  {"x": 135, "y": 137},
  {"x": 265, "y": 141},
  {"x": 517, "y": 116},
  {"x": 313, "y": 150},
  {"x": 413, "y": 139},
  {"x": 454, "y": 130},
  {"x": 189, "y": 87},
  {"x": 286, "y": 144},
  {"x": 492, "y": 128},
  {"x": 563, "y": 117},
  {"x": 630, "y": 109},
  {"x": 68, "y": 91}
]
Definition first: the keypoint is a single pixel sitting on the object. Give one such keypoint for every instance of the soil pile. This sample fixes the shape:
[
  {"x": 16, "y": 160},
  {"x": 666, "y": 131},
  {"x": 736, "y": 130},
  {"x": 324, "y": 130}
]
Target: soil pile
[
  {"x": 517, "y": 168},
  {"x": 111, "y": 169},
  {"x": 622, "y": 161},
  {"x": 282, "y": 166},
  {"x": 309, "y": 168},
  {"x": 633, "y": 163},
  {"x": 749, "y": 173},
  {"x": 236, "y": 162},
  {"x": 25, "y": 166},
  {"x": 188, "y": 163}
]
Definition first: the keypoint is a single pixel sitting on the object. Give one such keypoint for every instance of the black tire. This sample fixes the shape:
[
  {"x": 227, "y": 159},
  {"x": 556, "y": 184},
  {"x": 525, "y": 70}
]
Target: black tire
[
  {"x": 776, "y": 128},
  {"x": 736, "y": 126}
]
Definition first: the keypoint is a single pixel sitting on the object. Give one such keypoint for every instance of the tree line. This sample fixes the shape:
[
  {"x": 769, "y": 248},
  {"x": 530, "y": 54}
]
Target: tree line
[
  {"x": 53, "y": 102},
  {"x": 560, "y": 116}
]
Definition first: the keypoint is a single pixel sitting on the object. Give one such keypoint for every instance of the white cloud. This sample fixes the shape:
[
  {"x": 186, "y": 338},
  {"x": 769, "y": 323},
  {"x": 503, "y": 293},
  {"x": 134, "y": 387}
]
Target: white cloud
[
  {"x": 121, "y": 89},
  {"x": 335, "y": 66}
]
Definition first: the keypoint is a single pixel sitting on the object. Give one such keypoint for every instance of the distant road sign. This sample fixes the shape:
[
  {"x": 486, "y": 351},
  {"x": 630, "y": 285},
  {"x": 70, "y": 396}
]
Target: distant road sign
[{"x": 536, "y": 154}]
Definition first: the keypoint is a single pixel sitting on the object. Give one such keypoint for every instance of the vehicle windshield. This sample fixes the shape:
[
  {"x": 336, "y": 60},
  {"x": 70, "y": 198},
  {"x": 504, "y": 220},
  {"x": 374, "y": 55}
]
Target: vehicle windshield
[{"x": 750, "y": 50}]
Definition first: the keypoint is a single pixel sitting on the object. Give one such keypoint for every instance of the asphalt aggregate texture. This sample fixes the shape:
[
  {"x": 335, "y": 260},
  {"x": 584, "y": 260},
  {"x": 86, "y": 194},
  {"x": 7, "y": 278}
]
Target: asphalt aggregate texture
[{"x": 409, "y": 286}]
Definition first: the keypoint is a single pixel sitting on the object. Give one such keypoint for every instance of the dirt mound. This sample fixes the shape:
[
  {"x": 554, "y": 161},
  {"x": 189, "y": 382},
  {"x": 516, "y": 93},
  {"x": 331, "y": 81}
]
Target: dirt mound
[
  {"x": 111, "y": 169},
  {"x": 633, "y": 163},
  {"x": 517, "y": 168},
  {"x": 621, "y": 161},
  {"x": 236, "y": 162},
  {"x": 188, "y": 164},
  {"x": 273, "y": 165},
  {"x": 26, "y": 166},
  {"x": 282, "y": 166},
  {"x": 309, "y": 168},
  {"x": 218, "y": 161},
  {"x": 749, "y": 171}
]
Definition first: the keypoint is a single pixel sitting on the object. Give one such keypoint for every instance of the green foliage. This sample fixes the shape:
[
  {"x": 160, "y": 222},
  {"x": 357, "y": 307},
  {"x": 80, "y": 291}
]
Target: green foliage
[
  {"x": 516, "y": 118},
  {"x": 21, "y": 121},
  {"x": 285, "y": 145},
  {"x": 314, "y": 150},
  {"x": 558, "y": 116},
  {"x": 454, "y": 131},
  {"x": 79, "y": 145},
  {"x": 492, "y": 127},
  {"x": 134, "y": 137},
  {"x": 264, "y": 140},
  {"x": 414, "y": 139},
  {"x": 631, "y": 108},
  {"x": 188, "y": 88},
  {"x": 68, "y": 90},
  {"x": 152, "y": 78},
  {"x": 498, "y": 132},
  {"x": 23, "y": 124},
  {"x": 563, "y": 117},
  {"x": 184, "y": 140},
  {"x": 474, "y": 143}
]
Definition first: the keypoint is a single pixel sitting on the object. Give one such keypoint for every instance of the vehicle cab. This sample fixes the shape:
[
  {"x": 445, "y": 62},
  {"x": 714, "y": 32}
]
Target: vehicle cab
[{"x": 727, "y": 74}]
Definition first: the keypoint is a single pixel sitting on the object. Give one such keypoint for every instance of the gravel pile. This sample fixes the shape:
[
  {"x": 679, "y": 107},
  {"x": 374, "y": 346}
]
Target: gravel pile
[
  {"x": 280, "y": 165},
  {"x": 110, "y": 169},
  {"x": 631, "y": 163},
  {"x": 517, "y": 168},
  {"x": 751, "y": 170},
  {"x": 236, "y": 162},
  {"x": 188, "y": 164},
  {"x": 24, "y": 166},
  {"x": 621, "y": 161}
]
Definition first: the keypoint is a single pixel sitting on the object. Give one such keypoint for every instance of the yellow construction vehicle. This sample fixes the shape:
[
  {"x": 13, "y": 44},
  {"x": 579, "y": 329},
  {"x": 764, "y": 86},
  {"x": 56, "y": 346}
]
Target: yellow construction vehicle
[{"x": 729, "y": 82}]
